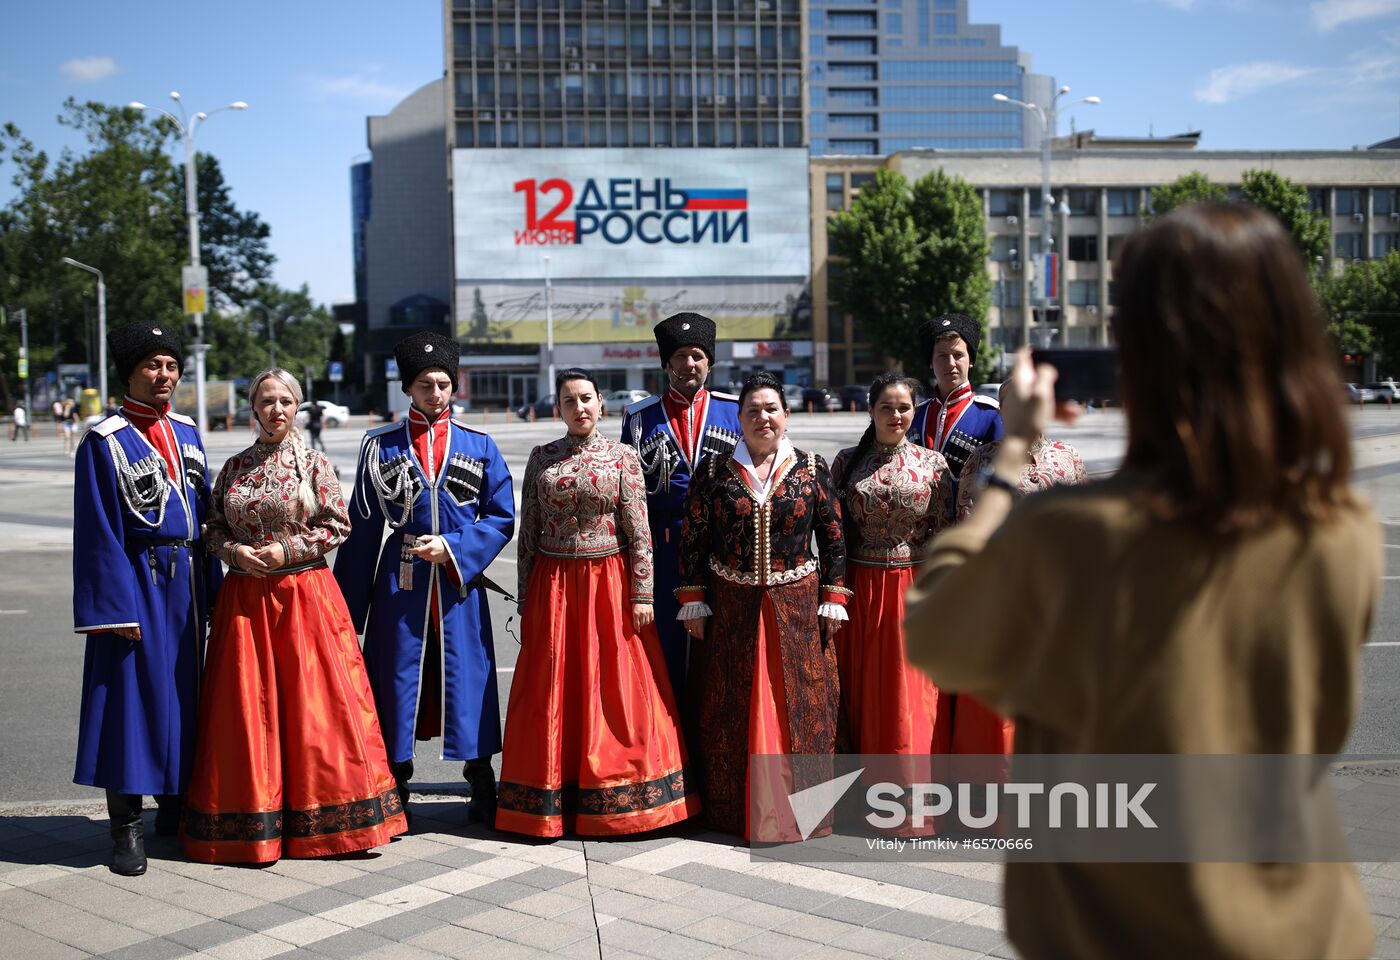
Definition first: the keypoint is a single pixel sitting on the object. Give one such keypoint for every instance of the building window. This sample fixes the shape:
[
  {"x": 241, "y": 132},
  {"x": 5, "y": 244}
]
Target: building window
[
  {"x": 1383, "y": 243},
  {"x": 1084, "y": 293},
  {"x": 464, "y": 135},
  {"x": 851, "y": 46},
  {"x": 770, "y": 133},
  {"x": 852, "y": 123},
  {"x": 1115, "y": 243},
  {"x": 726, "y": 133},
  {"x": 1083, "y": 203},
  {"x": 792, "y": 133},
  {"x": 894, "y": 23},
  {"x": 1349, "y": 245},
  {"x": 835, "y": 191},
  {"x": 852, "y": 98},
  {"x": 1123, "y": 203},
  {"x": 1006, "y": 293},
  {"x": 1084, "y": 247},
  {"x": 859, "y": 181},
  {"x": 849, "y": 21},
  {"x": 1317, "y": 200},
  {"x": 1004, "y": 203},
  {"x": 509, "y": 136},
  {"x": 854, "y": 72},
  {"x": 1383, "y": 202},
  {"x": 945, "y": 23},
  {"x": 1005, "y": 248},
  {"x": 862, "y": 148},
  {"x": 1349, "y": 202},
  {"x": 685, "y": 136},
  {"x": 597, "y": 133},
  {"x": 972, "y": 42}
]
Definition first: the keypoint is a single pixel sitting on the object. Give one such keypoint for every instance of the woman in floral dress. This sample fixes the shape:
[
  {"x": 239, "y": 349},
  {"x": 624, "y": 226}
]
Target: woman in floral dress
[
  {"x": 592, "y": 742},
  {"x": 289, "y": 760}
]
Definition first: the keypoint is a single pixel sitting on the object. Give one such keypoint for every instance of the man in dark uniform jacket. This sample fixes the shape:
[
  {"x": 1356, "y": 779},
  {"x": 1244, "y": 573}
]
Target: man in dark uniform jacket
[{"x": 954, "y": 421}]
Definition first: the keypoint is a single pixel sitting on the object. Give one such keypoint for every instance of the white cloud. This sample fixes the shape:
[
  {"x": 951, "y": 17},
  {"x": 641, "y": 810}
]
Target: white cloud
[
  {"x": 1330, "y": 14},
  {"x": 359, "y": 87},
  {"x": 1239, "y": 80},
  {"x": 88, "y": 69}
]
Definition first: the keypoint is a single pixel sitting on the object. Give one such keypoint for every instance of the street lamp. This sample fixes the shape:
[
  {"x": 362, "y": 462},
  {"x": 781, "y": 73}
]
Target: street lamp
[
  {"x": 271, "y": 333},
  {"x": 549, "y": 322},
  {"x": 1047, "y": 116},
  {"x": 101, "y": 325},
  {"x": 187, "y": 126}
]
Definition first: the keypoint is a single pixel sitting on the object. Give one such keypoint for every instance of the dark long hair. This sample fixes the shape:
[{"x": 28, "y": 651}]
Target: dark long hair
[
  {"x": 1229, "y": 381},
  {"x": 867, "y": 439}
]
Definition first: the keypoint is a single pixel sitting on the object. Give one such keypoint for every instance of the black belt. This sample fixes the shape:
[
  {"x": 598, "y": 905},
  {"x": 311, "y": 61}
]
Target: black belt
[
  {"x": 295, "y": 568},
  {"x": 149, "y": 545},
  {"x": 168, "y": 542}
]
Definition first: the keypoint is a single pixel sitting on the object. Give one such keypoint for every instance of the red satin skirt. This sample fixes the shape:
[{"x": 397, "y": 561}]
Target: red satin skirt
[
  {"x": 769, "y": 785},
  {"x": 891, "y": 707},
  {"x": 290, "y": 761},
  {"x": 967, "y": 725},
  {"x": 592, "y": 741}
]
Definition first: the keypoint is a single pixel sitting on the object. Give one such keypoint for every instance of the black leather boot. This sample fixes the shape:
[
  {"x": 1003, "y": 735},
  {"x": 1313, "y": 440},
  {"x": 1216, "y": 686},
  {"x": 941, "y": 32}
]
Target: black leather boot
[
  {"x": 168, "y": 810},
  {"x": 403, "y": 772},
  {"x": 482, "y": 779},
  {"x": 128, "y": 834}
]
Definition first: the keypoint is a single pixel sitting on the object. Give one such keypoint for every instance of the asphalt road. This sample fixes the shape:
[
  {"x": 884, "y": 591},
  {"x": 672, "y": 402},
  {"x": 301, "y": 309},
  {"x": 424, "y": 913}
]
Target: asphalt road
[{"x": 41, "y": 660}]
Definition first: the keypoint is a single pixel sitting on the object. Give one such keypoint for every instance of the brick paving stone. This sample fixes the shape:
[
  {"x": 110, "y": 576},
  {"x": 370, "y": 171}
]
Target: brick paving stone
[
  {"x": 457, "y": 857},
  {"x": 94, "y": 934},
  {"x": 360, "y": 914},
  {"x": 502, "y": 892},
  {"x": 967, "y": 936},
  {"x": 712, "y": 902},
  {"x": 676, "y": 946},
  {"x": 497, "y": 921},
  {"x": 414, "y": 871},
  {"x": 937, "y": 951},
  {"x": 409, "y": 897},
  {"x": 208, "y": 934},
  {"x": 21, "y": 942},
  {"x": 255, "y": 946},
  {"x": 507, "y": 950},
  {"x": 578, "y": 889},
  {"x": 403, "y": 926},
  {"x": 618, "y": 878},
  {"x": 664, "y": 916},
  {"x": 401, "y": 951},
  {"x": 609, "y": 852},
  {"x": 827, "y": 952},
  {"x": 817, "y": 929},
  {"x": 453, "y": 909},
  {"x": 157, "y": 918},
  {"x": 1384, "y": 906},
  {"x": 266, "y": 917},
  {"x": 990, "y": 918},
  {"x": 351, "y": 943},
  {"x": 875, "y": 943},
  {"x": 452, "y": 942},
  {"x": 721, "y": 931},
  {"x": 367, "y": 885},
  {"x": 627, "y": 935},
  {"x": 545, "y": 904},
  {"x": 306, "y": 930},
  {"x": 582, "y": 917},
  {"x": 320, "y": 901},
  {"x": 908, "y": 924},
  {"x": 320, "y": 873},
  {"x": 617, "y": 903},
  {"x": 966, "y": 888},
  {"x": 545, "y": 878},
  {"x": 772, "y": 945},
  {"x": 585, "y": 949},
  {"x": 764, "y": 915},
  {"x": 458, "y": 881},
  {"x": 849, "y": 910},
  {"x": 503, "y": 867},
  {"x": 940, "y": 907},
  {"x": 154, "y": 949},
  {"x": 548, "y": 935},
  {"x": 1005, "y": 950},
  {"x": 261, "y": 884}
]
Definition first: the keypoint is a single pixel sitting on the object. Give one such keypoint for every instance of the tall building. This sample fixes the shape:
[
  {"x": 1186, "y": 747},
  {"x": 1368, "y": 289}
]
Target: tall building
[
  {"x": 889, "y": 76},
  {"x": 625, "y": 73}
]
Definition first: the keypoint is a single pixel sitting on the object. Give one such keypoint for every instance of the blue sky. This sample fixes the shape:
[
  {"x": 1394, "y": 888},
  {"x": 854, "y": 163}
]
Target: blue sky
[{"x": 1251, "y": 74}]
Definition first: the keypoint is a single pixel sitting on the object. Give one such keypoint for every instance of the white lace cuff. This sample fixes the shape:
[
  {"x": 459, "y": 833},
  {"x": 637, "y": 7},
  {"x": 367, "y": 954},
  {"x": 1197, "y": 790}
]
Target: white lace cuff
[
  {"x": 694, "y": 610},
  {"x": 832, "y": 611}
]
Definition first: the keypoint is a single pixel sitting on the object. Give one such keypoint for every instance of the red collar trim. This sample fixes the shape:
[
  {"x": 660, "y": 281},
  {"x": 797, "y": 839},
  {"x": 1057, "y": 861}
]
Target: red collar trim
[
  {"x": 677, "y": 399},
  {"x": 139, "y": 409},
  {"x": 420, "y": 419}
]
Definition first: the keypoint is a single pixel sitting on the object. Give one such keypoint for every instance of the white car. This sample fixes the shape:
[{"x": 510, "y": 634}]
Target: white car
[
  {"x": 332, "y": 414},
  {"x": 619, "y": 399}
]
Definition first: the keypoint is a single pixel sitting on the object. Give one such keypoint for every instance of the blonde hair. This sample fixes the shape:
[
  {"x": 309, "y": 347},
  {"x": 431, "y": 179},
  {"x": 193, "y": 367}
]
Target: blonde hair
[{"x": 305, "y": 493}]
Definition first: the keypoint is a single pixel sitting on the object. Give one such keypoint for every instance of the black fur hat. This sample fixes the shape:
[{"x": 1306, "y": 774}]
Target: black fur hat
[
  {"x": 133, "y": 342},
  {"x": 685, "y": 330},
  {"x": 966, "y": 327},
  {"x": 424, "y": 351}
]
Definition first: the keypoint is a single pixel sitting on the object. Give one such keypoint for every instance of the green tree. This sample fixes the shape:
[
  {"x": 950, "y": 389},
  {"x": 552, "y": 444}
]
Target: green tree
[
  {"x": 910, "y": 255},
  {"x": 1363, "y": 308},
  {"x": 119, "y": 206},
  {"x": 1289, "y": 202},
  {"x": 1194, "y": 187}
]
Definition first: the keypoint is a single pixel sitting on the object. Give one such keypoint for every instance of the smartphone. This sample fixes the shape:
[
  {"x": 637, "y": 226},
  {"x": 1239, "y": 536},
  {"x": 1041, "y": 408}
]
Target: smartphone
[{"x": 1085, "y": 373}]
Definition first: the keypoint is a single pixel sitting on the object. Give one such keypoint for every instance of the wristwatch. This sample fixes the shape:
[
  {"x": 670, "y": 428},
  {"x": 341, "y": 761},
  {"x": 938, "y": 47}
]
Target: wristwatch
[{"x": 995, "y": 479}]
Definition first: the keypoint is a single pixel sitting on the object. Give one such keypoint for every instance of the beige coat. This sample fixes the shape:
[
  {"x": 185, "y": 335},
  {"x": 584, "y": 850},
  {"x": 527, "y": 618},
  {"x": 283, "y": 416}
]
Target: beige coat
[{"x": 1102, "y": 630}]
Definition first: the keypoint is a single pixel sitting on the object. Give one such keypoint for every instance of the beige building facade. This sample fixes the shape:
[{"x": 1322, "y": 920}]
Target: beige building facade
[{"x": 1101, "y": 195}]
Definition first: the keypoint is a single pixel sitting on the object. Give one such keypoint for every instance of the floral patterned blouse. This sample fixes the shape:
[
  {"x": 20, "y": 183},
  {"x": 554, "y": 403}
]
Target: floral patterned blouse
[
  {"x": 585, "y": 497},
  {"x": 898, "y": 496},
  {"x": 1052, "y": 464},
  {"x": 257, "y": 501}
]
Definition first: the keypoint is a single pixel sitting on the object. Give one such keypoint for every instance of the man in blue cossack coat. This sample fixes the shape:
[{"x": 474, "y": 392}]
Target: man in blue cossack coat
[
  {"x": 445, "y": 494},
  {"x": 142, "y": 590},
  {"x": 672, "y": 434},
  {"x": 955, "y": 421}
]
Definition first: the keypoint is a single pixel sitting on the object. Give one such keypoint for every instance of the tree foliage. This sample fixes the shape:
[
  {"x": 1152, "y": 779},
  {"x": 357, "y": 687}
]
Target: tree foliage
[
  {"x": 1265, "y": 189},
  {"x": 1189, "y": 188},
  {"x": 1363, "y": 306},
  {"x": 910, "y": 255},
  {"x": 117, "y": 205}
]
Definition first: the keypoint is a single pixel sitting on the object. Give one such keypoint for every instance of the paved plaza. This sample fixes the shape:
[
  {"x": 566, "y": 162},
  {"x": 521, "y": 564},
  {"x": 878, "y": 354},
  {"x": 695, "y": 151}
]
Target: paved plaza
[{"x": 453, "y": 889}]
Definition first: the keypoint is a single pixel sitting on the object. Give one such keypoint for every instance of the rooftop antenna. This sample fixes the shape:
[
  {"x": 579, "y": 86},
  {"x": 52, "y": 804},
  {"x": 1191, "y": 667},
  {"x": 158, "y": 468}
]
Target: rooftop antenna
[{"x": 1150, "y": 134}]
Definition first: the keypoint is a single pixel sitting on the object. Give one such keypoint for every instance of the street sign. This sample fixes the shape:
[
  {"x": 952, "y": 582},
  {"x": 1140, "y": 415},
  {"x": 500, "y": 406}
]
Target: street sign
[
  {"x": 335, "y": 371},
  {"x": 23, "y": 368},
  {"x": 195, "y": 281},
  {"x": 391, "y": 368}
]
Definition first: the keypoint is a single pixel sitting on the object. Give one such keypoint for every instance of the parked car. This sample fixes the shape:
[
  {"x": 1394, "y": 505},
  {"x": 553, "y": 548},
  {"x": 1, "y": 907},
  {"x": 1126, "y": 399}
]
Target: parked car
[
  {"x": 332, "y": 414},
  {"x": 543, "y": 407},
  {"x": 1357, "y": 394},
  {"x": 992, "y": 390},
  {"x": 854, "y": 393},
  {"x": 1385, "y": 391},
  {"x": 793, "y": 393},
  {"x": 821, "y": 399},
  {"x": 619, "y": 399}
]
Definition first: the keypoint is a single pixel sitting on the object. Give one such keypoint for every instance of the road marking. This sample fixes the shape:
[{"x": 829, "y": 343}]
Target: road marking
[
  {"x": 505, "y": 669},
  {"x": 1384, "y": 643},
  {"x": 1390, "y": 578},
  {"x": 13, "y": 612}
]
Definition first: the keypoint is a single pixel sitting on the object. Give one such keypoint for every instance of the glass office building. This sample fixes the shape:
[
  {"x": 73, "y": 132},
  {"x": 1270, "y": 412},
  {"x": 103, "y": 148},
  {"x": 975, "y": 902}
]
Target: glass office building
[
  {"x": 906, "y": 74},
  {"x": 625, "y": 73}
]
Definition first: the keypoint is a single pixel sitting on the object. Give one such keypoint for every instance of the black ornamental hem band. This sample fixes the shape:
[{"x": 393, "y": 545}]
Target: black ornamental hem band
[
  {"x": 599, "y": 801},
  {"x": 293, "y": 824}
]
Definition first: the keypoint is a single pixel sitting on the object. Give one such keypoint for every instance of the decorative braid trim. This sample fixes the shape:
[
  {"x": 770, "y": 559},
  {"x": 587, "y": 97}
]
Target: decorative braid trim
[
  {"x": 295, "y": 824},
  {"x": 598, "y": 801},
  {"x": 774, "y": 577}
]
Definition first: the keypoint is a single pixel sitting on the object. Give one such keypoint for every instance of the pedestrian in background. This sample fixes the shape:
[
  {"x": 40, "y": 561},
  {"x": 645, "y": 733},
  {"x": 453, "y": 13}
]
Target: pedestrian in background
[
  {"x": 68, "y": 420},
  {"x": 290, "y": 760},
  {"x": 894, "y": 496},
  {"x": 593, "y": 743},
  {"x": 20, "y": 423},
  {"x": 1212, "y": 598},
  {"x": 314, "y": 417},
  {"x": 142, "y": 590}
]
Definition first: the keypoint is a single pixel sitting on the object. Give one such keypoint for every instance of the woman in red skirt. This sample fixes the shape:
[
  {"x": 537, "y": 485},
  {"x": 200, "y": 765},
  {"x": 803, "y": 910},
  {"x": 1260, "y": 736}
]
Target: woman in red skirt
[
  {"x": 895, "y": 495},
  {"x": 592, "y": 744},
  {"x": 289, "y": 760}
]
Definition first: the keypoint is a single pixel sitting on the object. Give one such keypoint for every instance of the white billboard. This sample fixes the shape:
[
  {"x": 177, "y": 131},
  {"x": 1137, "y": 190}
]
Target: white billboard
[{"x": 640, "y": 213}]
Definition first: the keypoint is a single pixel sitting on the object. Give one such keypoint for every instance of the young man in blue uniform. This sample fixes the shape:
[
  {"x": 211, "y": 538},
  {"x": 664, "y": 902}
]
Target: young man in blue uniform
[
  {"x": 673, "y": 433},
  {"x": 445, "y": 494},
  {"x": 142, "y": 590},
  {"x": 954, "y": 421}
]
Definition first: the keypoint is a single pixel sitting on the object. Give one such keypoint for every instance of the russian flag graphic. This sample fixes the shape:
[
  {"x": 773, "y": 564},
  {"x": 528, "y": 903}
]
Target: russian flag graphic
[{"x": 716, "y": 200}]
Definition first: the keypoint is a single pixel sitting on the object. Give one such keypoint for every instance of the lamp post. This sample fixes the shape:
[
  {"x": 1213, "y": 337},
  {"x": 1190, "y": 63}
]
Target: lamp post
[
  {"x": 271, "y": 332},
  {"x": 187, "y": 126},
  {"x": 1048, "y": 117},
  {"x": 101, "y": 325},
  {"x": 549, "y": 322}
]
